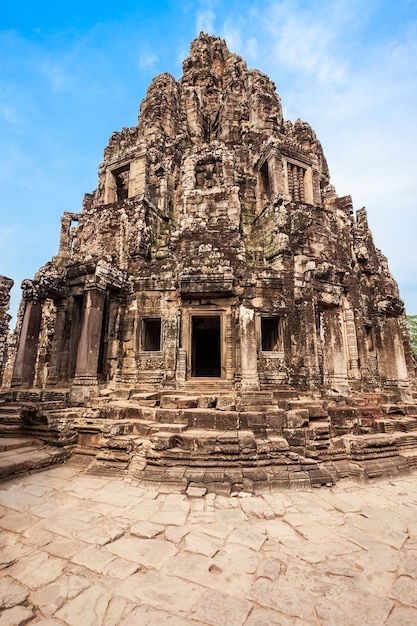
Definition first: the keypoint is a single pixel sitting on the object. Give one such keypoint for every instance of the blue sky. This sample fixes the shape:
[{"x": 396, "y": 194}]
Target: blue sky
[{"x": 72, "y": 73}]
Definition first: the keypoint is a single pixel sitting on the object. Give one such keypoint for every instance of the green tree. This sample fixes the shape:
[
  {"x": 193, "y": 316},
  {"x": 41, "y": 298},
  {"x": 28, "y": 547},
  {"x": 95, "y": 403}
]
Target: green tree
[{"x": 412, "y": 326}]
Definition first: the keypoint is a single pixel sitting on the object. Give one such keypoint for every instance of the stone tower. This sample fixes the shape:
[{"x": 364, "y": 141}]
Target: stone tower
[
  {"x": 214, "y": 251},
  {"x": 216, "y": 297}
]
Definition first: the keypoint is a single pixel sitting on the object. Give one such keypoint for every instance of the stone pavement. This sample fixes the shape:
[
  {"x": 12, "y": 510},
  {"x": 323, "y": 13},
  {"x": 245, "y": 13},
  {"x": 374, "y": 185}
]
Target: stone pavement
[{"x": 84, "y": 550}]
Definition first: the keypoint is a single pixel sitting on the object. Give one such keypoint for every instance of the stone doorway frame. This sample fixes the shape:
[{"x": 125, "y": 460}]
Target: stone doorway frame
[{"x": 227, "y": 371}]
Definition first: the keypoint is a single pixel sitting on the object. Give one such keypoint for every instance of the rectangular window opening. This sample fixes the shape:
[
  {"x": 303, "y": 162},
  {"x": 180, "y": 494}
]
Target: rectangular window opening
[
  {"x": 121, "y": 182},
  {"x": 270, "y": 334},
  {"x": 370, "y": 339},
  {"x": 151, "y": 334},
  {"x": 265, "y": 182}
]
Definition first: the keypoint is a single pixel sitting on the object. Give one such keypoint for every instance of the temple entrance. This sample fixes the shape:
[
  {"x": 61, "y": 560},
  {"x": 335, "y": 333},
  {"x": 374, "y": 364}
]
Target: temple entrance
[{"x": 206, "y": 350}]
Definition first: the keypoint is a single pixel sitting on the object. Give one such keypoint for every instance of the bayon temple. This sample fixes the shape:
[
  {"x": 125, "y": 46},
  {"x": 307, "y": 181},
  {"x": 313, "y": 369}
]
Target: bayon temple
[{"x": 215, "y": 313}]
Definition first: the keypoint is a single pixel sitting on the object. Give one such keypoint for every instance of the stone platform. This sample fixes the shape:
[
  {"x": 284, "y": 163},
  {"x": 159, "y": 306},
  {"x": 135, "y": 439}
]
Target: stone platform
[{"x": 225, "y": 442}]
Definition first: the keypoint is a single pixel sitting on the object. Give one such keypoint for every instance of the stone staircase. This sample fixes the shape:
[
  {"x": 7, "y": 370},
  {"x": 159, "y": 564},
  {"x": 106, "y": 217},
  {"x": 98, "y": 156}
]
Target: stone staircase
[
  {"x": 22, "y": 451},
  {"x": 226, "y": 441}
]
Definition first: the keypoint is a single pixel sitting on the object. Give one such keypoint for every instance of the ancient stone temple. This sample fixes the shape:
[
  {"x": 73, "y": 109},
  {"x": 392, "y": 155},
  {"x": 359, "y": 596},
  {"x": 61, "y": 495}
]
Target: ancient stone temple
[{"x": 214, "y": 280}]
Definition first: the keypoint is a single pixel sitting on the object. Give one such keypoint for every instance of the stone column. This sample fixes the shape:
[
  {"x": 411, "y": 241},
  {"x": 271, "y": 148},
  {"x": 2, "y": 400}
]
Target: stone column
[
  {"x": 352, "y": 344},
  {"x": 334, "y": 353},
  {"x": 57, "y": 342},
  {"x": 248, "y": 351},
  {"x": 24, "y": 368},
  {"x": 86, "y": 381}
]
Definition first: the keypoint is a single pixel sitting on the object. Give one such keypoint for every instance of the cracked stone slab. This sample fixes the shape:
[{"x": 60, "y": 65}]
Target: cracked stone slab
[
  {"x": 351, "y": 606},
  {"x": 37, "y": 569},
  {"x": 120, "y": 569},
  {"x": 147, "y": 616},
  {"x": 18, "y": 522},
  {"x": 151, "y": 553},
  {"x": 11, "y": 593},
  {"x": 89, "y": 607},
  {"x": 65, "y": 548},
  {"x": 284, "y": 598},
  {"x": 404, "y": 590},
  {"x": 16, "y": 616},
  {"x": 170, "y": 517},
  {"x": 147, "y": 530},
  {"x": 219, "y": 609},
  {"x": 208, "y": 573},
  {"x": 167, "y": 593},
  {"x": 268, "y": 617},
  {"x": 402, "y": 616},
  {"x": 202, "y": 544},
  {"x": 104, "y": 532},
  {"x": 52, "y": 597},
  {"x": 93, "y": 558},
  {"x": 250, "y": 538},
  {"x": 238, "y": 558}
]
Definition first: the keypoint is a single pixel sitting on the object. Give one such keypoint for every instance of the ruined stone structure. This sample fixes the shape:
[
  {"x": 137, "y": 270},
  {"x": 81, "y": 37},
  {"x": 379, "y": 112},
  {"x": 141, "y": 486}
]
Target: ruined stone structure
[
  {"x": 5, "y": 287},
  {"x": 215, "y": 262}
]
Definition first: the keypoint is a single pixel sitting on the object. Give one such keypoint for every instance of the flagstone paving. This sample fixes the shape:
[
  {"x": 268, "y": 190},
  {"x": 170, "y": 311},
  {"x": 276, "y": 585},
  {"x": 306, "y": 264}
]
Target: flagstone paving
[{"x": 83, "y": 550}]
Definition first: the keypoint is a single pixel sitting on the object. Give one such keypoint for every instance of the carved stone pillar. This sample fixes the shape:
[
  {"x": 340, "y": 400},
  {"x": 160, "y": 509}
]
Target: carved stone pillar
[
  {"x": 24, "y": 368},
  {"x": 89, "y": 344},
  {"x": 352, "y": 344},
  {"x": 57, "y": 343},
  {"x": 248, "y": 352},
  {"x": 334, "y": 351},
  {"x": 181, "y": 366}
]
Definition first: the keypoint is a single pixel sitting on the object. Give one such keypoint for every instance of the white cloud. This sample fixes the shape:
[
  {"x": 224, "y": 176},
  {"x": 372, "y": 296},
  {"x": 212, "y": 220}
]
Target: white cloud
[
  {"x": 147, "y": 61},
  {"x": 237, "y": 42},
  {"x": 9, "y": 114},
  {"x": 205, "y": 21},
  {"x": 56, "y": 74}
]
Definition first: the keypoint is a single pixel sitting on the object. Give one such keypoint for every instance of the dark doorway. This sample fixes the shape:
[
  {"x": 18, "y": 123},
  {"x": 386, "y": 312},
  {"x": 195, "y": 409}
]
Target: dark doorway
[{"x": 206, "y": 353}]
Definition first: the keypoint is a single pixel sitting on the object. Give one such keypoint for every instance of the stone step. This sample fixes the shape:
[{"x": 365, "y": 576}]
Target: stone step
[
  {"x": 179, "y": 402},
  {"x": 157, "y": 427},
  {"x": 9, "y": 408},
  {"x": 315, "y": 410},
  {"x": 13, "y": 443},
  {"x": 10, "y": 418},
  {"x": 10, "y": 430},
  {"x": 396, "y": 423},
  {"x": 200, "y": 418},
  {"x": 29, "y": 458},
  {"x": 399, "y": 409}
]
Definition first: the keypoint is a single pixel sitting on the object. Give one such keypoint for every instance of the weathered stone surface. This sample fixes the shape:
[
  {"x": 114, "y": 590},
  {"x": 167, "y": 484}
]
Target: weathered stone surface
[
  {"x": 351, "y": 607},
  {"x": 151, "y": 553},
  {"x": 283, "y": 598},
  {"x": 11, "y": 593},
  {"x": 16, "y": 616},
  {"x": 37, "y": 569},
  {"x": 402, "y": 616},
  {"x": 147, "y": 530},
  {"x": 404, "y": 590},
  {"x": 54, "y": 595},
  {"x": 219, "y": 609},
  {"x": 89, "y": 607},
  {"x": 161, "y": 592}
]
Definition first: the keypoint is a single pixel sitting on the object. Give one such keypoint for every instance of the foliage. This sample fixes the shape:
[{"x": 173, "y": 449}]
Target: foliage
[{"x": 412, "y": 326}]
